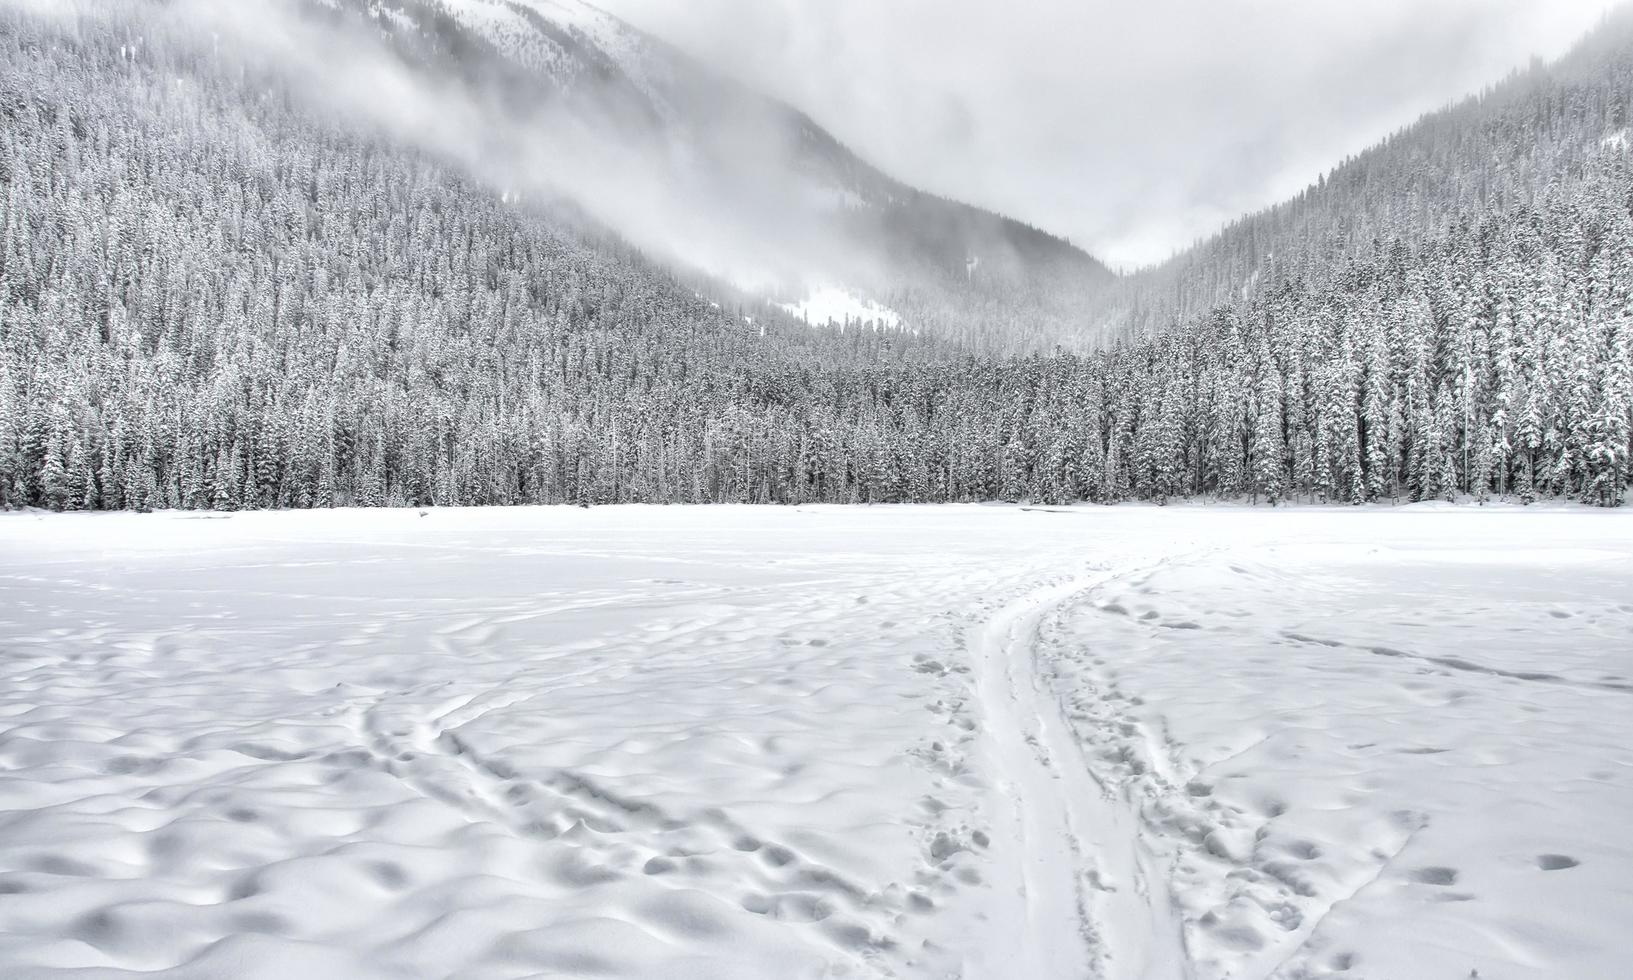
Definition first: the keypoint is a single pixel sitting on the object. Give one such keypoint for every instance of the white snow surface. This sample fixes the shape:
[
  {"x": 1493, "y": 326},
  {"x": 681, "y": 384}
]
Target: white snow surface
[
  {"x": 833, "y": 306},
  {"x": 964, "y": 741}
]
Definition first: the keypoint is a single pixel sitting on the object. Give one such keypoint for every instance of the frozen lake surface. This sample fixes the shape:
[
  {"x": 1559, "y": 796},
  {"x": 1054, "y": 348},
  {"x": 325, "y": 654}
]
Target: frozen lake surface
[{"x": 976, "y": 741}]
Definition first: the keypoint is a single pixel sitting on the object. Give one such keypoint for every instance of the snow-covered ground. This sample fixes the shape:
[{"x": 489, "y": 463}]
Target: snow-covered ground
[
  {"x": 818, "y": 742},
  {"x": 832, "y": 306}
]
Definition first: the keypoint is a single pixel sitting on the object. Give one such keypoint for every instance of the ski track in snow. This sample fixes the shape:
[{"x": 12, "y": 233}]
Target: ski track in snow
[
  {"x": 1075, "y": 839},
  {"x": 950, "y": 742}
]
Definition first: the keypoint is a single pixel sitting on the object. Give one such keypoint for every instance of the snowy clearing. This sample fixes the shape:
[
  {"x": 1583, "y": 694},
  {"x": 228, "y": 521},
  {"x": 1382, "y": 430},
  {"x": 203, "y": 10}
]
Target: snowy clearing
[
  {"x": 977, "y": 741},
  {"x": 832, "y": 306}
]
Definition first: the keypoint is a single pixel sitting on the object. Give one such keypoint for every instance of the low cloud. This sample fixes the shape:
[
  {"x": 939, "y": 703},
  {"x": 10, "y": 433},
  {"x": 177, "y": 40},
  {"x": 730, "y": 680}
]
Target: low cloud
[
  {"x": 1133, "y": 128},
  {"x": 661, "y": 193}
]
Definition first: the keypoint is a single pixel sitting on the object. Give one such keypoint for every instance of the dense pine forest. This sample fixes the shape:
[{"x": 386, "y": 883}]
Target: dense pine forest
[{"x": 212, "y": 298}]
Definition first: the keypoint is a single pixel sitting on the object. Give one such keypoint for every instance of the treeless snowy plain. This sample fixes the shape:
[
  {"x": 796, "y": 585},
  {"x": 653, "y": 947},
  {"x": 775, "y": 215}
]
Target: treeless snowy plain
[{"x": 975, "y": 741}]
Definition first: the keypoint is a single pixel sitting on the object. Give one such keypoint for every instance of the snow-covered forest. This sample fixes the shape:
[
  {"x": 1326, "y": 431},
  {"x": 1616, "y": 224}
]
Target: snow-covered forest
[{"x": 211, "y": 297}]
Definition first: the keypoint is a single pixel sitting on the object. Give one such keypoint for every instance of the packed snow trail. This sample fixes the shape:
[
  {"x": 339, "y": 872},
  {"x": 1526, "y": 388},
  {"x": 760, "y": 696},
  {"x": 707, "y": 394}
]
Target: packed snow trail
[{"x": 1091, "y": 904}]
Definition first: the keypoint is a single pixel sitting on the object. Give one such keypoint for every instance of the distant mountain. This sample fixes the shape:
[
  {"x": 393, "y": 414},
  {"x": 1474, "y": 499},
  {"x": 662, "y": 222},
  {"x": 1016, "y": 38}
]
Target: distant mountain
[{"x": 809, "y": 213}]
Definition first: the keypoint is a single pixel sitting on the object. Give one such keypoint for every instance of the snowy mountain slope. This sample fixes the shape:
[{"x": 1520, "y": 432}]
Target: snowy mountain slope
[
  {"x": 811, "y": 212},
  {"x": 1547, "y": 129}
]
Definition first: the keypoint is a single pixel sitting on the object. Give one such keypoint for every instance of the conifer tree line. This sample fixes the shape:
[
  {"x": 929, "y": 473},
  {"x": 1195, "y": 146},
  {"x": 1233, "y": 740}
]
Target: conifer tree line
[{"x": 210, "y": 299}]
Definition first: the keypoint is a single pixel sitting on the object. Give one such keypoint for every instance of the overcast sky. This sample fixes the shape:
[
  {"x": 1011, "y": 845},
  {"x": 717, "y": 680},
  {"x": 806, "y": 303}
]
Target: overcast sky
[{"x": 1131, "y": 126}]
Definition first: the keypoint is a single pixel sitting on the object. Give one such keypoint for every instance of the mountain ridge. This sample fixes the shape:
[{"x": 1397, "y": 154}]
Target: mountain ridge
[{"x": 757, "y": 162}]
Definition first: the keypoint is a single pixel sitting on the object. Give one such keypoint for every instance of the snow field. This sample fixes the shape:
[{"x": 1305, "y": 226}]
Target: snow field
[
  {"x": 817, "y": 742},
  {"x": 1376, "y": 758},
  {"x": 831, "y": 305}
]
